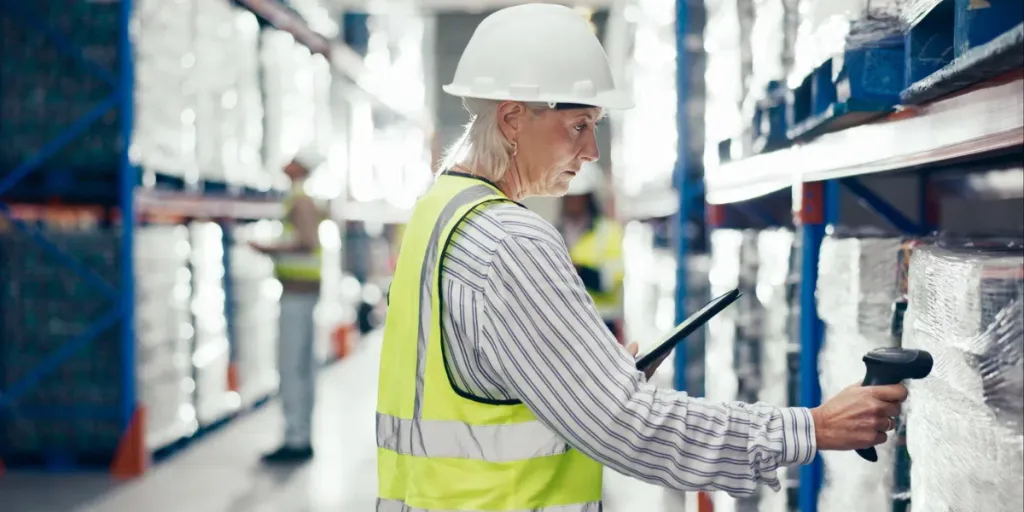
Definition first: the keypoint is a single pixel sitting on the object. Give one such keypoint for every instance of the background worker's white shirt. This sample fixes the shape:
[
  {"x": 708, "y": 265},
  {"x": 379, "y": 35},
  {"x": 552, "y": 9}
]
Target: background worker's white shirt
[{"x": 519, "y": 324}]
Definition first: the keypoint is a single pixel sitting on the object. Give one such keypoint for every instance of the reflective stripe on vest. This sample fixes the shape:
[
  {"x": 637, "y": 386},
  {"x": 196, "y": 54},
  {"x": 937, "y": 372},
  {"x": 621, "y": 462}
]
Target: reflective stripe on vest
[
  {"x": 296, "y": 266},
  {"x": 438, "y": 451}
]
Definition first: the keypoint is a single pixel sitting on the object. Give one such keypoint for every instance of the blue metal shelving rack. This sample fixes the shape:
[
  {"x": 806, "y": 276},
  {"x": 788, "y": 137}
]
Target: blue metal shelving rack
[
  {"x": 120, "y": 98},
  {"x": 133, "y": 203},
  {"x": 818, "y": 171}
]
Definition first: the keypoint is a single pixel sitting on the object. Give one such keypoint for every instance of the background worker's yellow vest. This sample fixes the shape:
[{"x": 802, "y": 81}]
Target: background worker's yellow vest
[
  {"x": 296, "y": 266},
  {"x": 435, "y": 449},
  {"x": 601, "y": 249}
]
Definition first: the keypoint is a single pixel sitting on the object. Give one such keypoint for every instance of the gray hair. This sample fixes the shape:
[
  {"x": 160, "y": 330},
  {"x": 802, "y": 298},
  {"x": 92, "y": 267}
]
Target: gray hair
[{"x": 482, "y": 148}]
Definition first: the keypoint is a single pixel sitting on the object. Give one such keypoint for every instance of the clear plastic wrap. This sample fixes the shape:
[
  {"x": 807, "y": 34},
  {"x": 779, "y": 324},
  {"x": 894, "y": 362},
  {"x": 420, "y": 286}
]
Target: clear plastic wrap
[
  {"x": 211, "y": 354},
  {"x": 912, "y": 11},
  {"x": 726, "y": 82},
  {"x": 774, "y": 250},
  {"x": 164, "y": 138},
  {"x": 964, "y": 421},
  {"x": 856, "y": 288},
  {"x": 721, "y": 382},
  {"x": 772, "y": 36},
  {"x": 297, "y": 105},
  {"x": 828, "y": 28},
  {"x": 199, "y": 106},
  {"x": 256, "y": 294},
  {"x": 163, "y": 333}
]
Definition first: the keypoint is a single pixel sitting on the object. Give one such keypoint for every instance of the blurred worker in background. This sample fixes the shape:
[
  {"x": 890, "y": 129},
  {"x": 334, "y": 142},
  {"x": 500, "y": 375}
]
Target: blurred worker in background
[
  {"x": 500, "y": 386},
  {"x": 297, "y": 264},
  {"x": 595, "y": 244}
]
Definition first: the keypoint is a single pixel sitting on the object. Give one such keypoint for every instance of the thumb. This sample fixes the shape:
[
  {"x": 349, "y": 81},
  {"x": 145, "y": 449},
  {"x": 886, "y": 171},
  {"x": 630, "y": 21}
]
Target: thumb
[{"x": 632, "y": 348}]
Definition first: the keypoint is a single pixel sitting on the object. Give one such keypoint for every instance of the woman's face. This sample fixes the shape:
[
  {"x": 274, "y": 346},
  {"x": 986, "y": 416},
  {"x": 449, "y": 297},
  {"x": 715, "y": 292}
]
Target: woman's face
[{"x": 551, "y": 146}]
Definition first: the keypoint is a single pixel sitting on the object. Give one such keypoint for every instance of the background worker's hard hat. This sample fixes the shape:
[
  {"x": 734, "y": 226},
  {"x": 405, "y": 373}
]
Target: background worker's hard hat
[
  {"x": 309, "y": 158},
  {"x": 537, "y": 53},
  {"x": 590, "y": 180}
]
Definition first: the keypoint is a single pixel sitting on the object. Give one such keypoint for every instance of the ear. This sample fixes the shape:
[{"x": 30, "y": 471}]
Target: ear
[{"x": 510, "y": 118}]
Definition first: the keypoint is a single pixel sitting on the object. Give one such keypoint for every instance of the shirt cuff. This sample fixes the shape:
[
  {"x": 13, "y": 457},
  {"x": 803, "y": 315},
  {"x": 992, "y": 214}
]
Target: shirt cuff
[{"x": 799, "y": 444}]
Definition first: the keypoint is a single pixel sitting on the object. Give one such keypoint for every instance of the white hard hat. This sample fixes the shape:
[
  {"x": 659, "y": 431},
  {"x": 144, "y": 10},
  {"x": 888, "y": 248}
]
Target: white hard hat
[
  {"x": 309, "y": 158},
  {"x": 590, "y": 180},
  {"x": 537, "y": 53}
]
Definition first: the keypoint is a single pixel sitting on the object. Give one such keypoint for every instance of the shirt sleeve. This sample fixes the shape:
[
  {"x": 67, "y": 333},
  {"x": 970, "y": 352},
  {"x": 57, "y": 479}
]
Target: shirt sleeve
[{"x": 541, "y": 334}]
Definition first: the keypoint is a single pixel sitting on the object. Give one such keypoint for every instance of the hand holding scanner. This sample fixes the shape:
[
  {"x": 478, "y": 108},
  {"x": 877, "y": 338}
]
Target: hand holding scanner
[{"x": 886, "y": 366}]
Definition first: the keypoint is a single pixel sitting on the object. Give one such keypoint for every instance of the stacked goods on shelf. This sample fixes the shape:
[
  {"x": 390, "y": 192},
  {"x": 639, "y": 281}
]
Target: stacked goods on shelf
[
  {"x": 46, "y": 92},
  {"x": 211, "y": 350},
  {"x": 296, "y": 88},
  {"x": 732, "y": 353},
  {"x": 964, "y": 422},
  {"x": 165, "y": 132},
  {"x": 727, "y": 76},
  {"x": 774, "y": 292},
  {"x": 848, "y": 62},
  {"x": 697, "y": 295},
  {"x": 71, "y": 412},
  {"x": 229, "y": 112},
  {"x": 255, "y": 310},
  {"x": 199, "y": 106},
  {"x": 856, "y": 290},
  {"x": 772, "y": 36},
  {"x": 164, "y": 333}
]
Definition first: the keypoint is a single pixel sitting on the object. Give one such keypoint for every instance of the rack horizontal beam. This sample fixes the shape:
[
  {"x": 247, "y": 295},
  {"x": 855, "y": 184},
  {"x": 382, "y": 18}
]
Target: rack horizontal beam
[
  {"x": 184, "y": 204},
  {"x": 343, "y": 59},
  {"x": 985, "y": 118}
]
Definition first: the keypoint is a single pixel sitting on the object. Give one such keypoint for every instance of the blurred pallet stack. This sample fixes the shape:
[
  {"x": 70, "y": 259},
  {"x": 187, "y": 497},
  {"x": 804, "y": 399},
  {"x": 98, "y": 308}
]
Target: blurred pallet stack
[
  {"x": 733, "y": 355},
  {"x": 48, "y": 308},
  {"x": 255, "y": 310},
  {"x": 856, "y": 290},
  {"x": 775, "y": 291},
  {"x": 965, "y": 422},
  {"x": 164, "y": 333},
  {"x": 211, "y": 353}
]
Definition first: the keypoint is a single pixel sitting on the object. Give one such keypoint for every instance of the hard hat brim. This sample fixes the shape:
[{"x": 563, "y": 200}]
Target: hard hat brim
[{"x": 613, "y": 100}]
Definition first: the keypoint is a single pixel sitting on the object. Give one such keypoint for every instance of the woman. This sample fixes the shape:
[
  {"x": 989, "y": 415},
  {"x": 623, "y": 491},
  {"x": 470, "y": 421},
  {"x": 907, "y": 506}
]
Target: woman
[{"x": 500, "y": 386}]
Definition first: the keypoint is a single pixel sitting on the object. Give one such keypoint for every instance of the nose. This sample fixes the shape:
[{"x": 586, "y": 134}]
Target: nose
[{"x": 590, "y": 152}]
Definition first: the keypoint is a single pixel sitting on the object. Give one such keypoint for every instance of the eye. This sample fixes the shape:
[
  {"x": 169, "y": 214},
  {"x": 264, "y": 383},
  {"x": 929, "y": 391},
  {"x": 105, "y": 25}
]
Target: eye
[{"x": 580, "y": 127}]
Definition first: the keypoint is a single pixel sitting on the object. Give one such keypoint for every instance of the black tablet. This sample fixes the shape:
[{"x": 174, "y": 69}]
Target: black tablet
[{"x": 687, "y": 328}]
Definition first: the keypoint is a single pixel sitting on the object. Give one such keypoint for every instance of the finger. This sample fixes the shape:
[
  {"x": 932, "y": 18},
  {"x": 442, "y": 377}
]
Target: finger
[
  {"x": 891, "y": 393},
  {"x": 880, "y": 438},
  {"x": 633, "y": 348},
  {"x": 889, "y": 409},
  {"x": 884, "y": 424}
]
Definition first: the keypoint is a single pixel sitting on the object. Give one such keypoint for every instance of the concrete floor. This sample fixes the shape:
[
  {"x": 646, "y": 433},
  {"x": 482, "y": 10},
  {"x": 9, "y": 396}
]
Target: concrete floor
[{"x": 222, "y": 473}]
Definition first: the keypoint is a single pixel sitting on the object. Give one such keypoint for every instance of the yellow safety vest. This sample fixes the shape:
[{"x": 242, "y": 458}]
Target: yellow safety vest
[
  {"x": 296, "y": 266},
  {"x": 601, "y": 248},
  {"x": 438, "y": 450}
]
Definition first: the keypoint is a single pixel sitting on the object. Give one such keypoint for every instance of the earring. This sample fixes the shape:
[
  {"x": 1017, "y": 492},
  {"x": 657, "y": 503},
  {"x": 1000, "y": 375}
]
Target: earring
[{"x": 515, "y": 148}]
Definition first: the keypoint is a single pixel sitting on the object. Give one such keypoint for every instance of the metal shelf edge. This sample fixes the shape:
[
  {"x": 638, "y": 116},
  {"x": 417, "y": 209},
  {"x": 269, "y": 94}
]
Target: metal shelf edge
[
  {"x": 205, "y": 206},
  {"x": 981, "y": 120}
]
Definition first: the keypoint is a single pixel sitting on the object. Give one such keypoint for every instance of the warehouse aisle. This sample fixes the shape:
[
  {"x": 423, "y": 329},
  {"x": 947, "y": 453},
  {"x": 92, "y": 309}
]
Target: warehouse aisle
[{"x": 222, "y": 473}]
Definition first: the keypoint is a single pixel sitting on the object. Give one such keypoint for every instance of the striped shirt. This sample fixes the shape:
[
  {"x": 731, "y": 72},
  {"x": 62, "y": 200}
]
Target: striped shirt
[{"x": 519, "y": 326}]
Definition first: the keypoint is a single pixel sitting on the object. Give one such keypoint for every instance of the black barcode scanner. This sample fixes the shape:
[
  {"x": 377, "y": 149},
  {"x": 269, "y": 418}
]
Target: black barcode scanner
[{"x": 886, "y": 366}]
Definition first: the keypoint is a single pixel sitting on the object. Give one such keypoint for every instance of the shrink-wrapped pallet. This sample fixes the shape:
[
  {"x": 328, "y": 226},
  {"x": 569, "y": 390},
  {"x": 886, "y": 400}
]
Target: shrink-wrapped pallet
[
  {"x": 211, "y": 355},
  {"x": 964, "y": 421},
  {"x": 256, "y": 296},
  {"x": 164, "y": 333},
  {"x": 856, "y": 289},
  {"x": 829, "y": 28},
  {"x": 774, "y": 291}
]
